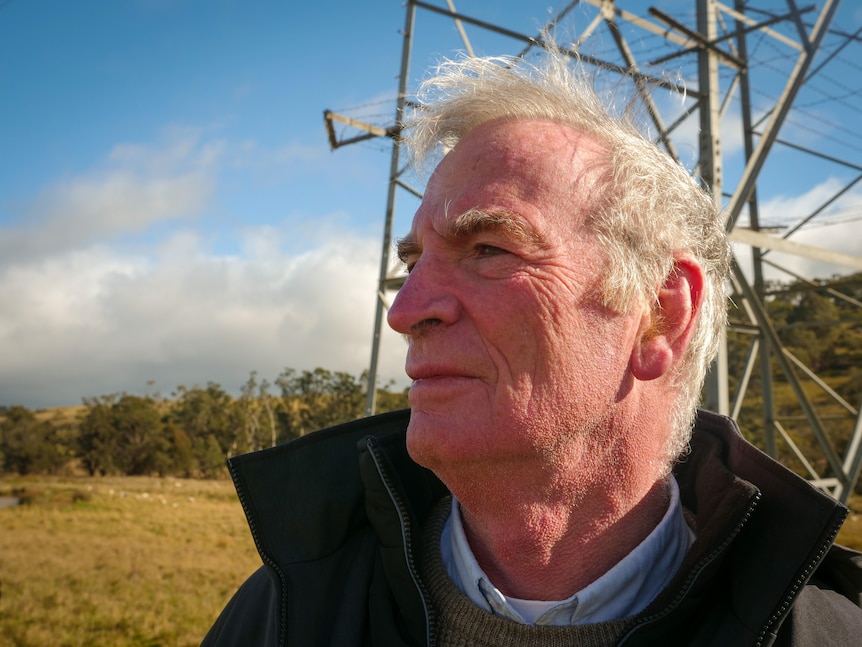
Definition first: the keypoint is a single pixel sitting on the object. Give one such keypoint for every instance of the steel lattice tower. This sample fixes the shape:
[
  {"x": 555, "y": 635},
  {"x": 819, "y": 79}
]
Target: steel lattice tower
[{"x": 730, "y": 74}]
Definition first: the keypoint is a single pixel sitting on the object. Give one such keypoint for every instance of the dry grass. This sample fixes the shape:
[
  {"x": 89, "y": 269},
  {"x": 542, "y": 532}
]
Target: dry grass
[
  {"x": 119, "y": 561},
  {"x": 130, "y": 561}
]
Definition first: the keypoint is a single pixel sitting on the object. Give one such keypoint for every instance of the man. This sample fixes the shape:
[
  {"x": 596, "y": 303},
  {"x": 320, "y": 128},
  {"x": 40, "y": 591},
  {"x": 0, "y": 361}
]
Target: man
[{"x": 564, "y": 296}]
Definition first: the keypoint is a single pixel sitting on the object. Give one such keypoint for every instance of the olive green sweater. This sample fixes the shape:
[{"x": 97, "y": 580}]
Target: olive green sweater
[{"x": 460, "y": 623}]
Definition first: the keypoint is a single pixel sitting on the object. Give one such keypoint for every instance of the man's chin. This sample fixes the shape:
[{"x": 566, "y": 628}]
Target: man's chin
[
  {"x": 441, "y": 438},
  {"x": 429, "y": 437}
]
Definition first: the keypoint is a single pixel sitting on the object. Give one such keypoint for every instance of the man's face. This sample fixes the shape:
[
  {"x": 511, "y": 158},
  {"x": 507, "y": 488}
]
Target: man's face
[{"x": 511, "y": 352}]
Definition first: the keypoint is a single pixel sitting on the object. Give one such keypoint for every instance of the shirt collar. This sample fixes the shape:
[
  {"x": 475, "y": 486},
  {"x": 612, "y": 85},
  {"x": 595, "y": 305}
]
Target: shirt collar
[{"x": 627, "y": 588}]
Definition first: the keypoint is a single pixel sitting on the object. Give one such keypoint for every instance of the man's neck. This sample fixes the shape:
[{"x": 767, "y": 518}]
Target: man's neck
[{"x": 548, "y": 547}]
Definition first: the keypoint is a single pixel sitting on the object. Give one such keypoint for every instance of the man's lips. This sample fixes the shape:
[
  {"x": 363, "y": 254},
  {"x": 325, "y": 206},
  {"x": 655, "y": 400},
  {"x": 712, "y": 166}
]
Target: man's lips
[
  {"x": 421, "y": 373},
  {"x": 435, "y": 385}
]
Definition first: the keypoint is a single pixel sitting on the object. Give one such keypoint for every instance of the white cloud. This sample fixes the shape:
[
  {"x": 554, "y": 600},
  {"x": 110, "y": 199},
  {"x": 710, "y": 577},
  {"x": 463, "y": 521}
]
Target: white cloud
[
  {"x": 96, "y": 321},
  {"x": 787, "y": 210},
  {"x": 137, "y": 187},
  {"x": 88, "y": 307}
]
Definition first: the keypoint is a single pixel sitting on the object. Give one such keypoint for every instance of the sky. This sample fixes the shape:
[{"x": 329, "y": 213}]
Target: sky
[{"x": 171, "y": 212}]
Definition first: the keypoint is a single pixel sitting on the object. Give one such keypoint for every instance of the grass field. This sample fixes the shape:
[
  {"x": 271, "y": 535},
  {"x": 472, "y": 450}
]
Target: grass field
[
  {"x": 118, "y": 561},
  {"x": 129, "y": 561}
]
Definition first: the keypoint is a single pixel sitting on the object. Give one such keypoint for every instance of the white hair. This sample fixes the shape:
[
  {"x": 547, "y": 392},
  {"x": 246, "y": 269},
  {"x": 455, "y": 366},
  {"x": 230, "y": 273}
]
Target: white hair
[{"x": 653, "y": 211}]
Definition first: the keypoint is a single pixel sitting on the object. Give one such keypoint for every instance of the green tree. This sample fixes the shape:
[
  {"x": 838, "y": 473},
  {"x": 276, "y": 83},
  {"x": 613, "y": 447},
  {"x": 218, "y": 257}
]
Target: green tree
[
  {"x": 97, "y": 440},
  {"x": 28, "y": 445},
  {"x": 141, "y": 443},
  {"x": 320, "y": 398},
  {"x": 210, "y": 456},
  {"x": 811, "y": 328},
  {"x": 182, "y": 455},
  {"x": 206, "y": 412},
  {"x": 124, "y": 435},
  {"x": 256, "y": 414},
  {"x": 388, "y": 400}
]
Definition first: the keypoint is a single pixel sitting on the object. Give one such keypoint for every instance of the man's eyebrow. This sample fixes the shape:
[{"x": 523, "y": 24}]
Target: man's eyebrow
[
  {"x": 478, "y": 221},
  {"x": 406, "y": 247}
]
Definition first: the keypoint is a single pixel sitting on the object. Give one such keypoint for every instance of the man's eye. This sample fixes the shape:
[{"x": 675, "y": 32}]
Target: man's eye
[{"x": 483, "y": 250}]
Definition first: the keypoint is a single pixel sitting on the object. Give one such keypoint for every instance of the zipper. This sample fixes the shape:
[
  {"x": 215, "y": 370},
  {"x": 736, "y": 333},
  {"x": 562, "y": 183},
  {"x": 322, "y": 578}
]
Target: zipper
[
  {"x": 255, "y": 535},
  {"x": 800, "y": 581},
  {"x": 406, "y": 535},
  {"x": 697, "y": 570}
]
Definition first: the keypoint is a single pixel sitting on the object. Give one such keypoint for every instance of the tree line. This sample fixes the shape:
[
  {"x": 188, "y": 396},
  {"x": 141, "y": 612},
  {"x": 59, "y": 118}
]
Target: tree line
[
  {"x": 189, "y": 434},
  {"x": 192, "y": 432}
]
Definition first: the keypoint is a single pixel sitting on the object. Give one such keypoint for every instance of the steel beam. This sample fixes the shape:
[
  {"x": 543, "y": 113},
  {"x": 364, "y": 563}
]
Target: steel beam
[
  {"x": 705, "y": 41},
  {"x": 760, "y": 239},
  {"x": 797, "y": 77},
  {"x": 771, "y": 337},
  {"x": 379, "y": 308}
]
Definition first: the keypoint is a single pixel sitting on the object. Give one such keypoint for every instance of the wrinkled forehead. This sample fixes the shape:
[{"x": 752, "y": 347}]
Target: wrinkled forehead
[{"x": 516, "y": 166}]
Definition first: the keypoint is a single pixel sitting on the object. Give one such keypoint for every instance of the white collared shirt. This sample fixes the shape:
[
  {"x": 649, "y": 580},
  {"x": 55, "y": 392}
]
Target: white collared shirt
[{"x": 627, "y": 588}]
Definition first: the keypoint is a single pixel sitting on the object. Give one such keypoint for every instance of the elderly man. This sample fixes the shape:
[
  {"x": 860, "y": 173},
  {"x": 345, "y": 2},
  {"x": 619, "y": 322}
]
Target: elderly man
[{"x": 564, "y": 296}]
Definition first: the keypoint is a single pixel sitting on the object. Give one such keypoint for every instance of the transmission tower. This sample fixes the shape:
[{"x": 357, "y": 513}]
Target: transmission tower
[{"x": 705, "y": 78}]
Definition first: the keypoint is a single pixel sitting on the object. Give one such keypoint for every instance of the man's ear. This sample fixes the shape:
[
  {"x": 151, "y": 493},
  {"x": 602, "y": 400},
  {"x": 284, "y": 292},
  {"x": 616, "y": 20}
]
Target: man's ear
[{"x": 667, "y": 329}]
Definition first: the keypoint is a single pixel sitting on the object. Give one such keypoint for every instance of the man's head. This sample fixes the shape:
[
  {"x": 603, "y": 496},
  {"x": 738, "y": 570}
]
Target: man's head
[{"x": 548, "y": 259}]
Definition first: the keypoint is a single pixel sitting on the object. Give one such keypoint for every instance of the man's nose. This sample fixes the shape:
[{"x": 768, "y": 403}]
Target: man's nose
[{"x": 426, "y": 299}]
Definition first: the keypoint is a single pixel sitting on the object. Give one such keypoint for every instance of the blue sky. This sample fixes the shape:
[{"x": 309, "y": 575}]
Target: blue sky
[{"x": 170, "y": 211}]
